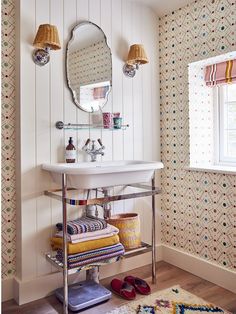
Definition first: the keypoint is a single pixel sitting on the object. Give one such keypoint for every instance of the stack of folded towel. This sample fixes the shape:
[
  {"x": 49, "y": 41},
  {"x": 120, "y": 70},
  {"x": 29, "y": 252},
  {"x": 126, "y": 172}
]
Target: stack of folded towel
[{"x": 90, "y": 240}]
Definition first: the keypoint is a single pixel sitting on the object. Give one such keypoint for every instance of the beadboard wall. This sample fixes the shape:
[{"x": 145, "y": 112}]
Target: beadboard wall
[{"x": 43, "y": 99}]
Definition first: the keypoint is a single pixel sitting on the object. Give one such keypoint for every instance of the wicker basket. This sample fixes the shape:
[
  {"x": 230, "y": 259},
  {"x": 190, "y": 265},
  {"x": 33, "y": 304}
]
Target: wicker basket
[{"x": 129, "y": 226}]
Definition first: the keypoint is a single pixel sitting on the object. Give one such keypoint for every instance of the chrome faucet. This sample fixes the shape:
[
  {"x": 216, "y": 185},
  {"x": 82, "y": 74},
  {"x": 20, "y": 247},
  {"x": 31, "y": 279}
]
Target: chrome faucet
[{"x": 94, "y": 151}]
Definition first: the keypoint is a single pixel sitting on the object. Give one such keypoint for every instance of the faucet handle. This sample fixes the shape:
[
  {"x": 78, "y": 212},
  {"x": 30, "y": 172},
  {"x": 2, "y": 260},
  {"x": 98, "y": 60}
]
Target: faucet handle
[
  {"x": 85, "y": 147},
  {"x": 87, "y": 142},
  {"x": 100, "y": 142}
]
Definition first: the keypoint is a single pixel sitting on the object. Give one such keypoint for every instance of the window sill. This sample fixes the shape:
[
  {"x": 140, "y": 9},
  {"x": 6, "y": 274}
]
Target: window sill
[{"x": 212, "y": 168}]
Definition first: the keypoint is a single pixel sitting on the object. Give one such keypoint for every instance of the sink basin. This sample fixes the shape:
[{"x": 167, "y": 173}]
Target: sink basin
[{"x": 90, "y": 175}]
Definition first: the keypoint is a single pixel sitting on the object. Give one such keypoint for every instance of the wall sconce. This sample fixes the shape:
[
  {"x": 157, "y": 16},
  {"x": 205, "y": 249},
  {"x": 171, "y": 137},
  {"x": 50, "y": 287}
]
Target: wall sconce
[
  {"x": 46, "y": 38},
  {"x": 136, "y": 56}
]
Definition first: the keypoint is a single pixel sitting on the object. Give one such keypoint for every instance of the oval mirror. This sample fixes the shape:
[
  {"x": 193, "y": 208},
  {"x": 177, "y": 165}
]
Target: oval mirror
[{"x": 89, "y": 67}]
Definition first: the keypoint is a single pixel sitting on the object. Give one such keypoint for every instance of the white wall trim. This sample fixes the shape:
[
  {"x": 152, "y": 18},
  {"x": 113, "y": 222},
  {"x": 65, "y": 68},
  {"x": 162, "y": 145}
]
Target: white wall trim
[
  {"x": 7, "y": 289},
  {"x": 40, "y": 287},
  {"x": 209, "y": 271},
  {"x": 37, "y": 288},
  {"x": 27, "y": 291}
]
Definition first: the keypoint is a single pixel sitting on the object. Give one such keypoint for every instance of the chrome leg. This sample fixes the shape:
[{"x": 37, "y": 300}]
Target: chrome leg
[
  {"x": 106, "y": 206},
  {"x": 65, "y": 270},
  {"x": 93, "y": 273},
  {"x": 96, "y": 207},
  {"x": 153, "y": 234},
  {"x": 87, "y": 213}
]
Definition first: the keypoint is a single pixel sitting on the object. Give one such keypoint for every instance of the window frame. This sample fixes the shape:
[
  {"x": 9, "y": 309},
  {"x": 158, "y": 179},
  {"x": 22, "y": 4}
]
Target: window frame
[{"x": 218, "y": 100}]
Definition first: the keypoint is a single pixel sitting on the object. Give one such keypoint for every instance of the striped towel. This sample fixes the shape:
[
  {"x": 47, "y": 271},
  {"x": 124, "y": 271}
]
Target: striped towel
[
  {"x": 90, "y": 257},
  {"x": 88, "y": 236},
  {"x": 83, "y": 224}
]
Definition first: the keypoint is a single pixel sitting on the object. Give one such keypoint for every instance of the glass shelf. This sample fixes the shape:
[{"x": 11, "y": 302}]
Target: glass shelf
[{"x": 86, "y": 126}]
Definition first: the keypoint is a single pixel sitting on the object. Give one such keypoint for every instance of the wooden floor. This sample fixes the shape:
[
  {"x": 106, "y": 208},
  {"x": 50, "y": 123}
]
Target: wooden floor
[{"x": 167, "y": 276}]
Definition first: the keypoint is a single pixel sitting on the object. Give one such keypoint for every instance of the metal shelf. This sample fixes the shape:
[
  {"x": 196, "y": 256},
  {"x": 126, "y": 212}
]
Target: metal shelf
[
  {"x": 145, "y": 248},
  {"x": 67, "y": 196},
  {"x": 87, "y": 126},
  {"x": 145, "y": 191},
  {"x": 59, "y": 265}
]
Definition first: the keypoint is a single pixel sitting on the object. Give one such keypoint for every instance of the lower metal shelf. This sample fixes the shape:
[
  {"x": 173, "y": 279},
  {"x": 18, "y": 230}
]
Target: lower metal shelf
[
  {"x": 59, "y": 265},
  {"x": 144, "y": 248}
]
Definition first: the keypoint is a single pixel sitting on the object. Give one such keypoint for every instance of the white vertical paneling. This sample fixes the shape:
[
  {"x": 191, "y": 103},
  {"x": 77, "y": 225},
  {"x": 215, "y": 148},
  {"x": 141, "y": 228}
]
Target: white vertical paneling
[
  {"x": 156, "y": 121},
  {"x": 28, "y": 143},
  {"x": 117, "y": 81},
  {"x": 155, "y": 92},
  {"x": 127, "y": 83},
  {"x": 141, "y": 107},
  {"x": 117, "y": 76},
  {"x": 57, "y": 81},
  {"x": 70, "y": 110},
  {"x": 58, "y": 15},
  {"x": 82, "y": 116},
  {"x": 127, "y": 86},
  {"x": 147, "y": 36},
  {"x": 138, "y": 111},
  {"x": 106, "y": 25},
  {"x": 72, "y": 14},
  {"x": 95, "y": 17},
  {"x": 82, "y": 10},
  {"x": 43, "y": 127},
  {"x": 45, "y": 99},
  {"x": 137, "y": 88}
]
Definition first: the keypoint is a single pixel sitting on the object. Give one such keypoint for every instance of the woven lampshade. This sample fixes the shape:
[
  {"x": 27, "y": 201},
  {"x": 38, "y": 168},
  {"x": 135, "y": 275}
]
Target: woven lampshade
[
  {"x": 47, "y": 36},
  {"x": 137, "y": 54}
]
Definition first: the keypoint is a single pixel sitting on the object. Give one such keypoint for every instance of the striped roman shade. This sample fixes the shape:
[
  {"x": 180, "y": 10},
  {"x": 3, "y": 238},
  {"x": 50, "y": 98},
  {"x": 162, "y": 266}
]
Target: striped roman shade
[{"x": 221, "y": 73}]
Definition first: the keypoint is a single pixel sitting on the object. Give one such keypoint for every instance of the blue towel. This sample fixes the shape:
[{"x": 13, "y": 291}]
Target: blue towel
[{"x": 83, "y": 224}]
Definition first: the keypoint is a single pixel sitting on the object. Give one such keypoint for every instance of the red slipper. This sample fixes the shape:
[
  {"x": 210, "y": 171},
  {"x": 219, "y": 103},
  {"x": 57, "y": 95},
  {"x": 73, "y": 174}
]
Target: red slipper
[
  {"x": 140, "y": 285},
  {"x": 123, "y": 289}
]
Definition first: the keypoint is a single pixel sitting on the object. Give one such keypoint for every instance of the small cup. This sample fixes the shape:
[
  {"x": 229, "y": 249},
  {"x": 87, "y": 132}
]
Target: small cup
[
  {"x": 117, "y": 122},
  {"x": 107, "y": 120},
  {"x": 116, "y": 114}
]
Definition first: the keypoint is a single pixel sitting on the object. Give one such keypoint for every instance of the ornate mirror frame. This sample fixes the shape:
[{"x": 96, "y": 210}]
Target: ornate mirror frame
[{"x": 73, "y": 92}]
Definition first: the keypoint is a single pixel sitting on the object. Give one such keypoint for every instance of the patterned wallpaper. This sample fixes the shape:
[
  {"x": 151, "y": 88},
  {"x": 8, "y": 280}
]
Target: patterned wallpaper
[
  {"x": 8, "y": 140},
  {"x": 85, "y": 69},
  {"x": 198, "y": 208}
]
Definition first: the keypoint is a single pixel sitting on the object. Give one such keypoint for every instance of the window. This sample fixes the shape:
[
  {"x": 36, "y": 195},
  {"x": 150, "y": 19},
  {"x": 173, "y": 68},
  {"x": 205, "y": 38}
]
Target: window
[
  {"x": 225, "y": 127},
  {"x": 212, "y": 114}
]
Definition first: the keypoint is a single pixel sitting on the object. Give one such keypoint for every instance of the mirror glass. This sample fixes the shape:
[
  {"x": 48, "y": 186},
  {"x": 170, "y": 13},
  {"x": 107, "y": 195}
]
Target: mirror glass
[{"x": 89, "y": 67}]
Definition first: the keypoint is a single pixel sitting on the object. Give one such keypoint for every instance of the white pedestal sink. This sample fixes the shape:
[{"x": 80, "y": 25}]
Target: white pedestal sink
[{"x": 90, "y": 175}]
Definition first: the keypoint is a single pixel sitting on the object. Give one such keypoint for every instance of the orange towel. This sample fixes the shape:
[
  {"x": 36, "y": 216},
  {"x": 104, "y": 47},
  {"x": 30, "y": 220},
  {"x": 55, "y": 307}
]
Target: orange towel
[{"x": 74, "y": 248}]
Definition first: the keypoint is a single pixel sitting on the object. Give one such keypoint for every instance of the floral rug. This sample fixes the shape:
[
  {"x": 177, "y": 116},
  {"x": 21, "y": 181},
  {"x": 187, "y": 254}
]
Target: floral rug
[{"x": 173, "y": 300}]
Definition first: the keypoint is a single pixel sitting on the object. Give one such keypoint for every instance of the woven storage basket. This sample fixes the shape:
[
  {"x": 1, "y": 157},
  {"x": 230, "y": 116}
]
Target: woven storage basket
[{"x": 129, "y": 226}]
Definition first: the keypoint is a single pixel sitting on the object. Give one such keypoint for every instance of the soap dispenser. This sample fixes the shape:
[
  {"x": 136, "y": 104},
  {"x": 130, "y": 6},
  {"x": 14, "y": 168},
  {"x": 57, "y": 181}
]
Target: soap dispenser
[{"x": 70, "y": 154}]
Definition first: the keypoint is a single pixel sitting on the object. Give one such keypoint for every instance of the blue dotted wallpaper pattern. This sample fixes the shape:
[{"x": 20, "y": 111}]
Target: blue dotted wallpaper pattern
[
  {"x": 198, "y": 208},
  {"x": 89, "y": 65},
  {"x": 8, "y": 140}
]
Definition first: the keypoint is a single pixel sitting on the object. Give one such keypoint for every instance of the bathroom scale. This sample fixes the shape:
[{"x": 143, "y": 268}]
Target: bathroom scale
[{"x": 84, "y": 294}]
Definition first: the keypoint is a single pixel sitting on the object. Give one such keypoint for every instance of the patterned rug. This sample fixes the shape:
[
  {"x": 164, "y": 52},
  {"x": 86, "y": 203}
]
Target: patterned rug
[{"x": 173, "y": 300}]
